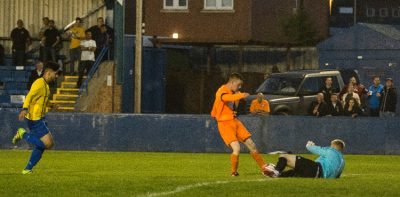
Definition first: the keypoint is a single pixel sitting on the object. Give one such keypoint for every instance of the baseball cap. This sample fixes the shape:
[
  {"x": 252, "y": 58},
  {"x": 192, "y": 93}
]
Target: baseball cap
[{"x": 389, "y": 79}]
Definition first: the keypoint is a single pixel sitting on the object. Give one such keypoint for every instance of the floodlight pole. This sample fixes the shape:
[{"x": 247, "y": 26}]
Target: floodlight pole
[
  {"x": 355, "y": 12},
  {"x": 138, "y": 57}
]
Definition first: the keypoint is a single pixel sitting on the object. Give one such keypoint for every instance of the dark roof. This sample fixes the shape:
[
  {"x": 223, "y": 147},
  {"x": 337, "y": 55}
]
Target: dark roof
[{"x": 364, "y": 36}]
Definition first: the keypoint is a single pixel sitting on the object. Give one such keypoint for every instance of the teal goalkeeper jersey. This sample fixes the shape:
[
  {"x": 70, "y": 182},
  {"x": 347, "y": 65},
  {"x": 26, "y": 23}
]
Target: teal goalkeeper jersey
[{"x": 331, "y": 160}]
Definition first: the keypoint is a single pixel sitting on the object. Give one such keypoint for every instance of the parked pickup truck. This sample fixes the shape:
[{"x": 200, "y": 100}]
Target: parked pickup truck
[{"x": 290, "y": 93}]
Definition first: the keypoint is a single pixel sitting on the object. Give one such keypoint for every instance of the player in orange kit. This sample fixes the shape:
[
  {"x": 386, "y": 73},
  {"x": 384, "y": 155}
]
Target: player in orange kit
[{"x": 230, "y": 128}]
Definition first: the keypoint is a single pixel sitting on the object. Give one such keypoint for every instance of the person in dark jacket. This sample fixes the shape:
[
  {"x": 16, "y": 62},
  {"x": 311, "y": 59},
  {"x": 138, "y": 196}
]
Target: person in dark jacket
[
  {"x": 51, "y": 39},
  {"x": 1, "y": 55},
  {"x": 388, "y": 99},
  {"x": 328, "y": 89},
  {"x": 35, "y": 74},
  {"x": 352, "y": 108},
  {"x": 20, "y": 40},
  {"x": 318, "y": 107},
  {"x": 102, "y": 34},
  {"x": 335, "y": 107}
]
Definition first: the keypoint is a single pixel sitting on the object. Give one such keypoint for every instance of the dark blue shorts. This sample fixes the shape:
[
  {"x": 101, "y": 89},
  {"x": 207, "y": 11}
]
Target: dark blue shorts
[{"x": 38, "y": 127}]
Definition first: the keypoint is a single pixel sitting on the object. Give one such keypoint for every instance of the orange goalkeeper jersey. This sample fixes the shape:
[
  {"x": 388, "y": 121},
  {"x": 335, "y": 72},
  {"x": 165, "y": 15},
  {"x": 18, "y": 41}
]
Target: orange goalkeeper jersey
[{"x": 223, "y": 108}]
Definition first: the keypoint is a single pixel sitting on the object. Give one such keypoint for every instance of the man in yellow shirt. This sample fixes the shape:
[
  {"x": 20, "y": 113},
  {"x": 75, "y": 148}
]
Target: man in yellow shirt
[
  {"x": 260, "y": 105},
  {"x": 34, "y": 112},
  {"x": 76, "y": 33}
]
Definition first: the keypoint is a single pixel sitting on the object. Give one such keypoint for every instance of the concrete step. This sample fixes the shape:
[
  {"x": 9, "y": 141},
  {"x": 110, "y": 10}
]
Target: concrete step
[
  {"x": 72, "y": 78},
  {"x": 65, "y": 97},
  {"x": 63, "y": 104},
  {"x": 63, "y": 109},
  {"x": 68, "y": 91},
  {"x": 68, "y": 84}
]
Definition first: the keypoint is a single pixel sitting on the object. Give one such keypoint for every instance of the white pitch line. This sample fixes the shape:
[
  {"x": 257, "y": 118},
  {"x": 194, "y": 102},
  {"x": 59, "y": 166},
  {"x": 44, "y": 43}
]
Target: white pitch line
[
  {"x": 197, "y": 185},
  {"x": 350, "y": 175}
]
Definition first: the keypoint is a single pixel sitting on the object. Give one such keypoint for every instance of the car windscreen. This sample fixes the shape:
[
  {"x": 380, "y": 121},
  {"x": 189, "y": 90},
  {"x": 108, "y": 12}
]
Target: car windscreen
[{"x": 279, "y": 85}]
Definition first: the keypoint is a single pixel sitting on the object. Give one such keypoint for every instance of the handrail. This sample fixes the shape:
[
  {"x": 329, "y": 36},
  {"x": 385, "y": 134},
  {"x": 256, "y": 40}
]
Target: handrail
[
  {"x": 91, "y": 12},
  {"x": 85, "y": 84}
]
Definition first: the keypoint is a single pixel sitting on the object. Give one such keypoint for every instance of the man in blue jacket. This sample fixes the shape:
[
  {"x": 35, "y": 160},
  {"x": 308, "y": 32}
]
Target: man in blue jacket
[
  {"x": 374, "y": 96},
  {"x": 329, "y": 164}
]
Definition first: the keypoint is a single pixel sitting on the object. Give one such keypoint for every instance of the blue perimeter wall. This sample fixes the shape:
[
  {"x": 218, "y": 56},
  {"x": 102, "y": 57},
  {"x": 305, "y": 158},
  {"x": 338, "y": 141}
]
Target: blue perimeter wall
[{"x": 198, "y": 133}]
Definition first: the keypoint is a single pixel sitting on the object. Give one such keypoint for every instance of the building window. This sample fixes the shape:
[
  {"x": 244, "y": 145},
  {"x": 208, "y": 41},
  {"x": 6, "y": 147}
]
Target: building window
[
  {"x": 176, "y": 4},
  {"x": 383, "y": 12},
  {"x": 370, "y": 12},
  {"x": 396, "y": 12},
  {"x": 218, "y": 4}
]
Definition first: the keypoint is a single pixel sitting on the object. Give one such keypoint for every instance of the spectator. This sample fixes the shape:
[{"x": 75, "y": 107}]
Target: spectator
[
  {"x": 350, "y": 94},
  {"x": 1, "y": 55},
  {"x": 104, "y": 40},
  {"x": 358, "y": 88},
  {"x": 335, "y": 107},
  {"x": 99, "y": 35},
  {"x": 88, "y": 46},
  {"x": 20, "y": 40},
  {"x": 352, "y": 108},
  {"x": 51, "y": 39},
  {"x": 318, "y": 107},
  {"x": 45, "y": 26},
  {"x": 374, "y": 96},
  {"x": 35, "y": 74},
  {"x": 388, "y": 99},
  {"x": 260, "y": 105},
  {"x": 77, "y": 33},
  {"x": 288, "y": 88},
  {"x": 328, "y": 89}
]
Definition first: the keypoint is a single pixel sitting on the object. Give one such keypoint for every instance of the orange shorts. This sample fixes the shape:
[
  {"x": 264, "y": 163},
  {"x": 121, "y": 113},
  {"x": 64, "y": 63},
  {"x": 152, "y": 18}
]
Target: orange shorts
[{"x": 233, "y": 130}]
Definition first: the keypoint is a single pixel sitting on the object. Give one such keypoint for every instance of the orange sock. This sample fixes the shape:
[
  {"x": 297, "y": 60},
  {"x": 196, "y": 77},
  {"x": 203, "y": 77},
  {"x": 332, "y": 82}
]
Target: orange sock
[
  {"x": 235, "y": 162},
  {"x": 256, "y": 156}
]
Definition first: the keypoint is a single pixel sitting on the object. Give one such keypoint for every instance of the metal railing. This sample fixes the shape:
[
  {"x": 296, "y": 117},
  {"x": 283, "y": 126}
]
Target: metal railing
[
  {"x": 90, "y": 12},
  {"x": 96, "y": 65}
]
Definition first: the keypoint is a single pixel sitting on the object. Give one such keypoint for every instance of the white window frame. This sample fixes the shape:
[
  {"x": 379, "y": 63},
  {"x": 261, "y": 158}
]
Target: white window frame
[
  {"x": 370, "y": 12},
  {"x": 396, "y": 12},
  {"x": 219, "y": 6},
  {"x": 175, "y": 5}
]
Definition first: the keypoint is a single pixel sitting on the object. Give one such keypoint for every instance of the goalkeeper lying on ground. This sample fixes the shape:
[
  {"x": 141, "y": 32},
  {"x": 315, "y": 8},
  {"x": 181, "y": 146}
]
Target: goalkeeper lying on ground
[{"x": 330, "y": 164}]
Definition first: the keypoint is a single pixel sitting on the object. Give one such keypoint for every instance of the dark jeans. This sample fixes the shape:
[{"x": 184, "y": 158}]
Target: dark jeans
[
  {"x": 50, "y": 54},
  {"x": 18, "y": 57},
  {"x": 84, "y": 65},
  {"x": 41, "y": 53},
  {"x": 74, "y": 55}
]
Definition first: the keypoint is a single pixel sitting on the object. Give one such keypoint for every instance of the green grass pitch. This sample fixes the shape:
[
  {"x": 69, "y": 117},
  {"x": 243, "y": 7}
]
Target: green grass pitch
[{"x": 67, "y": 173}]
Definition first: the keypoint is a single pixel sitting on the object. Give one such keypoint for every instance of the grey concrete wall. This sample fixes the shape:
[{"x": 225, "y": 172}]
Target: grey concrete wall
[{"x": 198, "y": 133}]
